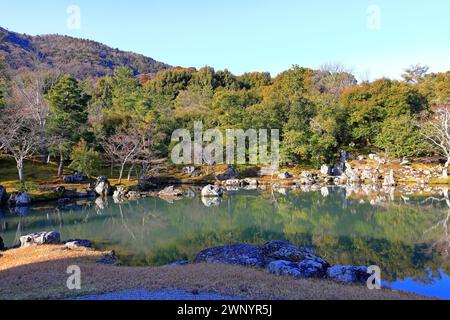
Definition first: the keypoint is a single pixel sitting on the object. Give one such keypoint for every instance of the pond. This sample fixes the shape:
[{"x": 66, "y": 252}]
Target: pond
[{"x": 406, "y": 236}]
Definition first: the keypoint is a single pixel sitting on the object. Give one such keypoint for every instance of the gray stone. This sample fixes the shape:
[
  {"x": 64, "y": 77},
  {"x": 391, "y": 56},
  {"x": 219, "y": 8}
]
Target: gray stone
[
  {"x": 40, "y": 238},
  {"x": 325, "y": 170},
  {"x": 120, "y": 192},
  {"x": 348, "y": 274},
  {"x": 212, "y": 191},
  {"x": 170, "y": 192},
  {"x": 77, "y": 243},
  {"x": 76, "y": 177},
  {"x": 3, "y": 195},
  {"x": 236, "y": 254},
  {"x": 230, "y": 173},
  {"x": 22, "y": 199},
  {"x": 283, "y": 250},
  {"x": 302, "y": 269},
  {"x": 249, "y": 182},
  {"x": 103, "y": 187},
  {"x": 285, "y": 175}
]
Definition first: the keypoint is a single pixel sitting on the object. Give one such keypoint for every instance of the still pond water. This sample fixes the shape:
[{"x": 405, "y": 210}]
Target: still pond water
[{"x": 408, "y": 237}]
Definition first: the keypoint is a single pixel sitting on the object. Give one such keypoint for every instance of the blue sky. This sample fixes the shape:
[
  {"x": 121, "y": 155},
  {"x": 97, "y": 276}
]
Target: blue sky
[{"x": 255, "y": 35}]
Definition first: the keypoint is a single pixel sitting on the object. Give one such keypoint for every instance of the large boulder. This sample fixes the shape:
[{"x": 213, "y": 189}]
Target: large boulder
[
  {"x": 22, "y": 199},
  {"x": 3, "y": 195},
  {"x": 120, "y": 192},
  {"x": 103, "y": 187},
  {"x": 348, "y": 274},
  {"x": 283, "y": 250},
  {"x": 39, "y": 238},
  {"x": 236, "y": 254},
  {"x": 325, "y": 170},
  {"x": 212, "y": 191},
  {"x": 302, "y": 269},
  {"x": 230, "y": 173},
  {"x": 77, "y": 243},
  {"x": 170, "y": 192}
]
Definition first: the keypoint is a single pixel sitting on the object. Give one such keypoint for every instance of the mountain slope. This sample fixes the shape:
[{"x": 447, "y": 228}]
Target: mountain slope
[{"x": 79, "y": 57}]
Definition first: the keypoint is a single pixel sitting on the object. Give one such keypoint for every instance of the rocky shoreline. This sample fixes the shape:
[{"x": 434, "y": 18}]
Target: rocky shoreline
[{"x": 277, "y": 257}]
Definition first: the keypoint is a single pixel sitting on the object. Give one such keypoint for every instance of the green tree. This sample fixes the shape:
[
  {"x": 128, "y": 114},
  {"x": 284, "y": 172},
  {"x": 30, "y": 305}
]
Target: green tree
[
  {"x": 399, "y": 136},
  {"x": 68, "y": 116},
  {"x": 84, "y": 159}
]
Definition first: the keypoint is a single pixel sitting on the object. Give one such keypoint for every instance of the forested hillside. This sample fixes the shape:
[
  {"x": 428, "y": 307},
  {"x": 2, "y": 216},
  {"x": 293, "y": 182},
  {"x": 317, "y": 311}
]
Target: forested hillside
[{"x": 81, "y": 58}]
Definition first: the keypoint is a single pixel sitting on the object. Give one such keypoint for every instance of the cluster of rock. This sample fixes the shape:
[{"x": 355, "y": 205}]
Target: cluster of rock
[
  {"x": 284, "y": 259},
  {"x": 75, "y": 177},
  {"x": 52, "y": 237}
]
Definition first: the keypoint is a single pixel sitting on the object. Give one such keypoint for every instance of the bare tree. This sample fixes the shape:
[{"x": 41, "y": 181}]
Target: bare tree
[
  {"x": 28, "y": 90},
  {"x": 18, "y": 136},
  {"x": 123, "y": 147},
  {"x": 436, "y": 129}
]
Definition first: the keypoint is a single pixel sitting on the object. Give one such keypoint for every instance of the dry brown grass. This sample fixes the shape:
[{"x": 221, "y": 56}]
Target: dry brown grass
[{"x": 40, "y": 273}]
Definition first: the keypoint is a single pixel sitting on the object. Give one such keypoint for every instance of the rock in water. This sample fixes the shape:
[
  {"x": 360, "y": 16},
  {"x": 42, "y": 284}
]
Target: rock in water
[
  {"x": 348, "y": 274},
  {"x": 3, "y": 195},
  {"x": 39, "y": 238},
  {"x": 23, "y": 199},
  {"x": 237, "y": 254},
  {"x": 212, "y": 191},
  {"x": 120, "y": 192},
  {"x": 170, "y": 192},
  {"x": 102, "y": 186},
  {"x": 229, "y": 174}
]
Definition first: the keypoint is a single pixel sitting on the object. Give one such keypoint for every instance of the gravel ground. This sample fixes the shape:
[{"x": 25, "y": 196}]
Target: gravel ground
[{"x": 158, "y": 295}]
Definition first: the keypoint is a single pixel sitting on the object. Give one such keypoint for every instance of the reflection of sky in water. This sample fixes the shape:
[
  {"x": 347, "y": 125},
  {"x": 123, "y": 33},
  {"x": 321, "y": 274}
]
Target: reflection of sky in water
[{"x": 438, "y": 287}]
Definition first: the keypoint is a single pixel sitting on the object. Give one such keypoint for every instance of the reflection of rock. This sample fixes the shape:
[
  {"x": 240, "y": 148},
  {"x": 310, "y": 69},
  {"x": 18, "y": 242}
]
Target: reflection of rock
[
  {"x": 348, "y": 274},
  {"x": 211, "y": 201},
  {"x": 101, "y": 203},
  {"x": 212, "y": 191},
  {"x": 325, "y": 191},
  {"x": 39, "y": 238},
  {"x": 232, "y": 183}
]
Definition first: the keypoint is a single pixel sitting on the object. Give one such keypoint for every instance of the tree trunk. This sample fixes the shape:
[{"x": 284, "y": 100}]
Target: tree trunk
[
  {"x": 48, "y": 158},
  {"x": 122, "y": 167},
  {"x": 44, "y": 152},
  {"x": 61, "y": 164},
  {"x": 20, "y": 170},
  {"x": 129, "y": 172}
]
